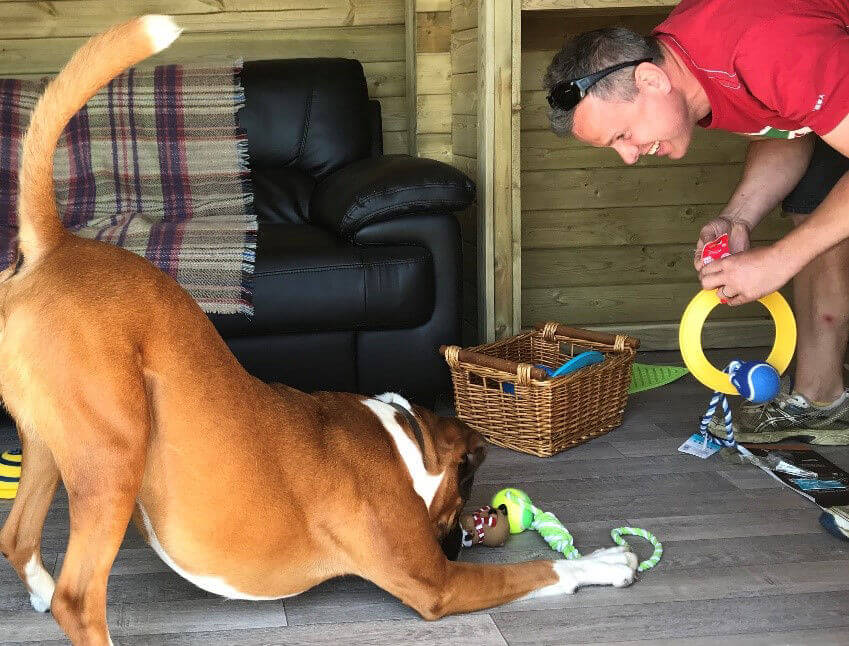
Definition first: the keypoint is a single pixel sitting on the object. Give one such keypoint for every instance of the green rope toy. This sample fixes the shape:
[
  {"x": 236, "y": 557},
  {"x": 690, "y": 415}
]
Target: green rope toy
[{"x": 522, "y": 515}]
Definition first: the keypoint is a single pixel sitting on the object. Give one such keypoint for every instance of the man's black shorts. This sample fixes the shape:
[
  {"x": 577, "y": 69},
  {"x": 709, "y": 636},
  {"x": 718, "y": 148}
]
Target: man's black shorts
[{"x": 827, "y": 166}]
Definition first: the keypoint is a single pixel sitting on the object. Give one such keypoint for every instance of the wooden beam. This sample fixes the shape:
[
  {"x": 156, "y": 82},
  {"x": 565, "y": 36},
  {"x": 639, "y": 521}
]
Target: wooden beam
[
  {"x": 515, "y": 186},
  {"x": 410, "y": 32},
  {"x": 499, "y": 234},
  {"x": 485, "y": 128}
]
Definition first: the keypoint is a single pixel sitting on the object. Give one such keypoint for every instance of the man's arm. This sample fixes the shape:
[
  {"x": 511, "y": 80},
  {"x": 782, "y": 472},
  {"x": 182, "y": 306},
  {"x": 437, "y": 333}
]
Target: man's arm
[
  {"x": 748, "y": 276},
  {"x": 773, "y": 167},
  {"x": 829, "y": 223}
]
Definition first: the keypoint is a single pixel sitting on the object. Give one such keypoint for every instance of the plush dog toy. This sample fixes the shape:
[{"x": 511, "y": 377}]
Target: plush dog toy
[{"x": 486, "y": 526}]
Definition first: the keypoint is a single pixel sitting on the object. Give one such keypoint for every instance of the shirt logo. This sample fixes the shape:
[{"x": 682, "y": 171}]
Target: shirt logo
[{"x": 775, "y": 133}]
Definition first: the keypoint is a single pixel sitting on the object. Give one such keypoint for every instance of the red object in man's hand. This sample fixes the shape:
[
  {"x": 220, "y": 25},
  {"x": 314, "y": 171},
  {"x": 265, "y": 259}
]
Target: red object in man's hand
[{"x": 714, "y": 250}]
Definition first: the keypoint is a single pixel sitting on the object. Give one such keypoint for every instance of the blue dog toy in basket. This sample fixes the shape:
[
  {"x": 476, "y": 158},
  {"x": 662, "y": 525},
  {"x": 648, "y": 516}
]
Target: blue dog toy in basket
[{"x": 574, "y": 364}]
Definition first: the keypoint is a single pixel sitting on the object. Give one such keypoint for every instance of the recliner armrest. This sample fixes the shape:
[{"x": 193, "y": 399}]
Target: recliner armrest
[{"x": 382, "y": 188}]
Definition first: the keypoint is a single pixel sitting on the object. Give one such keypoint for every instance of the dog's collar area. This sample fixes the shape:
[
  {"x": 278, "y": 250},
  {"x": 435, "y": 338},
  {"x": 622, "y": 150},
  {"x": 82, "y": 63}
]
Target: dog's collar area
[{"x": 413, "y": 422}]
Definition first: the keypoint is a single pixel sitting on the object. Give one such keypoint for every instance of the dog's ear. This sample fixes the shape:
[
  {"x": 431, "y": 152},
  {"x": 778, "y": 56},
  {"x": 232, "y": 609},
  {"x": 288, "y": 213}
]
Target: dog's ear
[
  {"x": 472, "y": 458},
  {"x": 475, "y": 447}
]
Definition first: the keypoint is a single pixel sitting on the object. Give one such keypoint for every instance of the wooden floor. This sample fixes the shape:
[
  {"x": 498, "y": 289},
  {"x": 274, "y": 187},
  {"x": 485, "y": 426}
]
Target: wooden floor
[{"x": 746, "y": 561}]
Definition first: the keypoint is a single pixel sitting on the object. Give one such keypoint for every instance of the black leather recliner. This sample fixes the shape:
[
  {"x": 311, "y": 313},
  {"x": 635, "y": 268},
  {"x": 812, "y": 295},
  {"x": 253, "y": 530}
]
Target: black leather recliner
[{"x": 357, "y": 278}]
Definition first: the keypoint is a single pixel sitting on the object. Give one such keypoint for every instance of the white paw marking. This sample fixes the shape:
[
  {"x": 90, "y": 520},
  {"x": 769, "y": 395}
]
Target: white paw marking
[
  {"x": 610, "y": 566},
  {"x": 40, "y": 584}
]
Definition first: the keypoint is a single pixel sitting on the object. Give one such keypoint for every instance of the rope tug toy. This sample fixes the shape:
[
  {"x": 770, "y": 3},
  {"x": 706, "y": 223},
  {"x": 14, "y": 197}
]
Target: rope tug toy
[
  {"x": 522, "y": 515},
  {"x": 756, "y": 381}
]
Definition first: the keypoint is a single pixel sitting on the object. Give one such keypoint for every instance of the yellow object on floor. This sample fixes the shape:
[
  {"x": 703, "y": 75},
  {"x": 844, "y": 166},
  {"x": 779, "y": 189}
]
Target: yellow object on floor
[{"x": 10, "y": 473}]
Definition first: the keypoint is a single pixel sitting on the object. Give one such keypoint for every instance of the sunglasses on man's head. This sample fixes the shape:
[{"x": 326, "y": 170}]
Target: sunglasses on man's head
[{"x": 565, "y": 95}]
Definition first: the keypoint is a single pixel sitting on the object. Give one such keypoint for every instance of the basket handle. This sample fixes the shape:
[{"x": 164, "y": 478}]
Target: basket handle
[
  {"x": 588, "y": 335},
  {"x": 453, "y": 353}
]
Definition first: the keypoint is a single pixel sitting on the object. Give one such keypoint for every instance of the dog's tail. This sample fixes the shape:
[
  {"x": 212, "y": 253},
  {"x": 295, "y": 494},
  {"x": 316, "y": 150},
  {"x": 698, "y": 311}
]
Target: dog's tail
[{"x": 96, "y": 63}]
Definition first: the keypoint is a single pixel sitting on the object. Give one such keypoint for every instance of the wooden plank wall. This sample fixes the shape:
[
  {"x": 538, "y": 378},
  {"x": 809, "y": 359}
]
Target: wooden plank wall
[
  {"x": 464, "y": 145},
  {"x": 37, "y": 37},
  {"x": 433, "y": 79},
  {"x": 608, "y": 246}
]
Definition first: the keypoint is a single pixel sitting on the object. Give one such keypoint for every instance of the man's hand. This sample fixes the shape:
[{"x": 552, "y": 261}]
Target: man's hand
[
  {"x": 738, "y": 236},
  {"x": 747, "y": 276}
]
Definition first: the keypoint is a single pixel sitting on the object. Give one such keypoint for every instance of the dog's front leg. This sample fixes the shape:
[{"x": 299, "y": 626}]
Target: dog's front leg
[{"x": 434, "y": 586}]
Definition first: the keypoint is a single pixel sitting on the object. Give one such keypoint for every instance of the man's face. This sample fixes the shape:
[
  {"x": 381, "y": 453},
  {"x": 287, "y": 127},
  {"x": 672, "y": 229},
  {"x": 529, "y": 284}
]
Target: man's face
[{"x": 655, "y": 123}]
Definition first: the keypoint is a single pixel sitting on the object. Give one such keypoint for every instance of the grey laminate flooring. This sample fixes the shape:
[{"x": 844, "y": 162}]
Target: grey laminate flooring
[{"x": 746, "y": 561}]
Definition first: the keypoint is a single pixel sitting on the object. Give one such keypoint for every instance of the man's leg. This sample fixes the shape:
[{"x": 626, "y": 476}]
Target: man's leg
[
  {"x": 821, "y": 305},
  {"x": 817, "y": 409}
]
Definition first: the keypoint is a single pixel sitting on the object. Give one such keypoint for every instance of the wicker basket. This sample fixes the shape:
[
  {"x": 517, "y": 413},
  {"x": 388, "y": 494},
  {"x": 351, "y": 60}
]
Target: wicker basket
[{"x": 542, "y": 416}]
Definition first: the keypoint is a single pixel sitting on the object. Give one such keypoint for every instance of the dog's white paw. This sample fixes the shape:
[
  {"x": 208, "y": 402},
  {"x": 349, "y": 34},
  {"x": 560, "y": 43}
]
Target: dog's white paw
[
  {"x": 618, "y": 555},
  {"x": 610, "y": 566},
  {"x": 614, "y": 566},
  {"x": 38, "y": 604},
  {"x": 40, "y": 584}
]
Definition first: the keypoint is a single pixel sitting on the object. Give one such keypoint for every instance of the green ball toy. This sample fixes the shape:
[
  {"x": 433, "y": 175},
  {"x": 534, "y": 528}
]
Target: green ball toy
[{"x": 519, "y": 516}]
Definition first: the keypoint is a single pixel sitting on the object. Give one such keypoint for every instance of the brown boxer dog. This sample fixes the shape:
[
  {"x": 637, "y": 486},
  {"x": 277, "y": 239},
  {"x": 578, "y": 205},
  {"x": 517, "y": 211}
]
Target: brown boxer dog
[{"x": 122, "y": 388}]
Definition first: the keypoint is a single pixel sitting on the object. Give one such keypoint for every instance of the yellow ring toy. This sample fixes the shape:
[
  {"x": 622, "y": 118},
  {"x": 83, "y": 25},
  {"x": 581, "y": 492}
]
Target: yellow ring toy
[{"x": 690, "y": 338}]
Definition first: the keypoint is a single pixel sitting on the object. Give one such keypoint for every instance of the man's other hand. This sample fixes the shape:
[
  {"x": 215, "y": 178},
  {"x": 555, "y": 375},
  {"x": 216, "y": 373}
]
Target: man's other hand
[{"x": 738, "y": 236}]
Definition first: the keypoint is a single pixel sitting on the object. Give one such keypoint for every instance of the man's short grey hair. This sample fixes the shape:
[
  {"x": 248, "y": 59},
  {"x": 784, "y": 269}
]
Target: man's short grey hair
[{"x": 593, "y": 51}]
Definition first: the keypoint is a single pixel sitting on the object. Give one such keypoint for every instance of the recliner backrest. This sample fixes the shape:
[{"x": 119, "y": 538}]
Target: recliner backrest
[{"x": 312, "y": 114}]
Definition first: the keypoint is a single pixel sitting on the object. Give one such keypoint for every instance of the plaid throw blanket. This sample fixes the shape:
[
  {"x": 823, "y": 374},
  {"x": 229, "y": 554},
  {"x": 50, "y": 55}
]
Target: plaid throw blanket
[{"x": 154, "y": 163}]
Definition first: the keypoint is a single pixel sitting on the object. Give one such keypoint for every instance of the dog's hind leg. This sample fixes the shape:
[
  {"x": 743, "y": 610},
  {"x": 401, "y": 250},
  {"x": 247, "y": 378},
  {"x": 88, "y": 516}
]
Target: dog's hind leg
[
  {"x": 102, "y": 463},
  {"x": 20, "y": 538}
]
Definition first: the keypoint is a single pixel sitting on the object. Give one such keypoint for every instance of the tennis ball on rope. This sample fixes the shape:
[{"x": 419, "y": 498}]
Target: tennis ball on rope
[
  {"x": 756, "y": 381},
  {"x": 520, "y": 515}
]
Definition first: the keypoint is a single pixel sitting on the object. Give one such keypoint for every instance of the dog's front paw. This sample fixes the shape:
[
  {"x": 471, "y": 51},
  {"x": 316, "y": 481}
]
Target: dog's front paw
[{"x": 609, "y": 566}]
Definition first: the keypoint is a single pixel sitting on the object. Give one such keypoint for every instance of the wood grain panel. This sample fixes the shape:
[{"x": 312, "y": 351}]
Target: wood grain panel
[
  {"x": 395, "y": 143},
  {"x": 602, "y": 266},
  {"x": 368, "y": 44},
  {"x": 464, "y": 14},
  {"x": 433, "y": 73},
  {"x": 85, "y": 17},
  {"x": 434, "y": 146},
  {"x": 433, "y": 31},
  {"x": 434, "y": 113},
  {"x": 464, "y": 92},
  {"x": 464, "y": 51},
  {"x": 433, "y": 5},
  {"x": 464, "y": 136},
  {"x": 745, "y": 333},
  {"x": 547, "y": 30},
  {"x": 609, "y": 187},
  {"x": 542, "y": 149},
  {"x": 616, "y": 304},
  {"x": 385, "y": 78},
  {"x": 630, "y": 225}
]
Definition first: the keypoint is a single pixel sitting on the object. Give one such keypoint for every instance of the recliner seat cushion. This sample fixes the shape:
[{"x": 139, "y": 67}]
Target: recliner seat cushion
[{"x": 308, "y": 280}]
